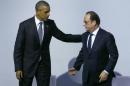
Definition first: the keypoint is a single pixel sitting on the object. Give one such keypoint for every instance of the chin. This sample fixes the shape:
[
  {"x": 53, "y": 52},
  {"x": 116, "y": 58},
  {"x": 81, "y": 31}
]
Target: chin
[{"x": 45, "y": 19}]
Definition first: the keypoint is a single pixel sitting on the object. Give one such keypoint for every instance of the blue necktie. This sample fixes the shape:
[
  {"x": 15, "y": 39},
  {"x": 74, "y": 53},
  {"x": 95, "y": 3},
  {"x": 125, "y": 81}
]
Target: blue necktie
[{"x": 40, "y": 32}]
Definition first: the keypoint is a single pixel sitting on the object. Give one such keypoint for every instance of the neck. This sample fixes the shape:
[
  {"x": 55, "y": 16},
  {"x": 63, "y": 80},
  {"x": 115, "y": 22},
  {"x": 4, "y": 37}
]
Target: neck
[
  {"x": 39, "y": 18},
  {"x": 94, "y": 28}
]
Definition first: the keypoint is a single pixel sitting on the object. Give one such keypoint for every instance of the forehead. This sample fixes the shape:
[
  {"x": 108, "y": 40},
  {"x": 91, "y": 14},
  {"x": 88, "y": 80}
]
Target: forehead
[
  {"x": 43, "y": 7},
  {"x": 87, "y": 17}
]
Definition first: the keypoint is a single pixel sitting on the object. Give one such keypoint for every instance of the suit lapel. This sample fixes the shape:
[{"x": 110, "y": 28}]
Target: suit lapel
[
  {"x": 34, "y": 27},
  {"x": 46, "y": 28},
  {"x": 97, "y": 40}
]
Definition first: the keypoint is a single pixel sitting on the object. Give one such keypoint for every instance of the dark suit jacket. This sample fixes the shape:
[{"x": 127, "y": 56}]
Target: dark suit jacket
[
  {"x": 103, "y": 56},
  {"x": 28, "y": 50}
]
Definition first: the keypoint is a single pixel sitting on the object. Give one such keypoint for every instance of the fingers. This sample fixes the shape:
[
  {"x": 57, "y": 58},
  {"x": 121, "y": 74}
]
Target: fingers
[
  {"x": 100, "y": 78},
  {"x": 19, "y": 75},
  {"x": 72, "y": 71},
  {"x": 103, "y": 77}
]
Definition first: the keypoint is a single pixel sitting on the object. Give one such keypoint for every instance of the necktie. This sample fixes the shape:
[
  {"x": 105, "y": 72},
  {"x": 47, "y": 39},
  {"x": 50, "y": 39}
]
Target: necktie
[
  {"x": 40, "y": 32},
  {"x": 90, "y": 41}
]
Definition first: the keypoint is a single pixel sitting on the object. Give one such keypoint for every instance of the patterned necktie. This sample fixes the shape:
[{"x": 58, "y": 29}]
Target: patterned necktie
[
  {"x": 90, "y": 41},
  {"x": 40, "y": 32}
]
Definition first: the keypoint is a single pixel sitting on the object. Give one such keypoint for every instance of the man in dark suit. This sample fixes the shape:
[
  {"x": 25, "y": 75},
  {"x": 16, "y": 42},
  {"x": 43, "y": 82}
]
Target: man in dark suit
[
  {"x": 98, "y": 54},
  {"x": 31, "y": 51}
]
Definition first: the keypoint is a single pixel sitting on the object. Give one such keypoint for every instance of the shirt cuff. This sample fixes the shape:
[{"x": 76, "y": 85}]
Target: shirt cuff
[{"x": 105, "y": 72}]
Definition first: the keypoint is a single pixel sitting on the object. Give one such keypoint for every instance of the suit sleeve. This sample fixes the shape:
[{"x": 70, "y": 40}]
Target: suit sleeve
[
  {"x": 113, "y": 53},
  {"x": 19, "y": 48},
  {"x": 79, "y": 60},
  {"x": 64, "y": 37}
]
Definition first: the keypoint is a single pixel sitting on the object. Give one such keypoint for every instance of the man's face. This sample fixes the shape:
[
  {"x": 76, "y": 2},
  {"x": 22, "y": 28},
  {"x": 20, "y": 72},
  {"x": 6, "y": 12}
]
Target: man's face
[
  {"x": 43, "y": 12},
  {"x": 88, "y": 23}
]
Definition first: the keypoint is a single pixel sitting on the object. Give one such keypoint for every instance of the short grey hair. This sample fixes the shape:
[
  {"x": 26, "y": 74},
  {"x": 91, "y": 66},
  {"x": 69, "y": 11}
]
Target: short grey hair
[{"x": 41, "y": 3}]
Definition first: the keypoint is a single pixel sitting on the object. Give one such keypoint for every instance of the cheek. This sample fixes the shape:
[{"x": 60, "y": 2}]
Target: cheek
[
  {"x": 90, "y": 25},
  {"x": 42, "y": 15}
]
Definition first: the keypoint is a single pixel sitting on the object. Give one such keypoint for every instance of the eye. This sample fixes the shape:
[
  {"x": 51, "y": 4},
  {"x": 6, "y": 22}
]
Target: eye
[
  {"x": 47, "y": 12},
  {"x": 86, "y": 22}
]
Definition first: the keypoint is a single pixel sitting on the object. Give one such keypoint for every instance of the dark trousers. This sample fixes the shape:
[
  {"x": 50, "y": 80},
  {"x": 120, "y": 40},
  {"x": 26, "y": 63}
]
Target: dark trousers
[
  {"x": 41, "y": 78},
  {"x": 90, "y": 82},
  {"x": 108, "y": 83}
]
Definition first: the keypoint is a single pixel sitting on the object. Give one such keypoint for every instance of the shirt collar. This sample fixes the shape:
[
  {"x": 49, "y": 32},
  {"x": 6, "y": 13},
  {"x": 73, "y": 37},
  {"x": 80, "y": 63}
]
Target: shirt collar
[
  {"x": 95, "y": 31},
  {"x": 37, "y": 20}
]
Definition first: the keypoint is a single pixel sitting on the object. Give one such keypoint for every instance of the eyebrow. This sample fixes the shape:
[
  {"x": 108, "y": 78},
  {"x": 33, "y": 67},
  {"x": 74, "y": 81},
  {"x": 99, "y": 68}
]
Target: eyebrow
[{"x": 47, "y": 11}]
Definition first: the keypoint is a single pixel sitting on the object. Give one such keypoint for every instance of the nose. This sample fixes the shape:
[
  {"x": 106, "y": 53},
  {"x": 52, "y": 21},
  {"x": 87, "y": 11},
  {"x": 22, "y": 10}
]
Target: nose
[{"x": 85, "y": 25}]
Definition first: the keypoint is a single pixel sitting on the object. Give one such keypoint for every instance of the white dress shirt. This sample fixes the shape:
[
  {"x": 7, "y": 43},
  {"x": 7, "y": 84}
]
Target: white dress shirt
[
  {"x": 37, "y": 22},
  {"x": 93, "y": 36}
]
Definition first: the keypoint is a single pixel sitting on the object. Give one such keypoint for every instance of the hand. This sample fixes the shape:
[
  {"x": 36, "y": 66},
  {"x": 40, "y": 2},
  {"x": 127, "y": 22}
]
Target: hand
[
  {"x": 19, "y": 74},
  {"x": 72, "y": 71},
  {"x": 103, "y": 76}
]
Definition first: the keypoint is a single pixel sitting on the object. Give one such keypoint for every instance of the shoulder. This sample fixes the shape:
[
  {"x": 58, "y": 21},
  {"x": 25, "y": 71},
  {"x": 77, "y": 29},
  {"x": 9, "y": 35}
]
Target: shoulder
[
  {"x": 106, "y": 34},
  {"x": 50, "y": 21},
  {"x": 27, "y": 21}
]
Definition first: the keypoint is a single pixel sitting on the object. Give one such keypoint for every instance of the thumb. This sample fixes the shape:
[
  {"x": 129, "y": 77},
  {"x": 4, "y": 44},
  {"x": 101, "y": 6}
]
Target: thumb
[
  {"x": 72, "y": 69},
  {"x": 21, "y": 74},
  {"x": 101, "y": 75}
]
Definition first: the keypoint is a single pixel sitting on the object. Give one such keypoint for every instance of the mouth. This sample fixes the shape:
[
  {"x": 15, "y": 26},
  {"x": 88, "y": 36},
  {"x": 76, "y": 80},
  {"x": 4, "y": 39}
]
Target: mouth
[{"x": 46, "y": 18}]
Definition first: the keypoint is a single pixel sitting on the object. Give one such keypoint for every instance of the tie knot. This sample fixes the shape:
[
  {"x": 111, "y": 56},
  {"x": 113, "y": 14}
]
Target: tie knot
[
  {"x": 91, "y": 34},
  {"x": 40, "y": 23}
]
